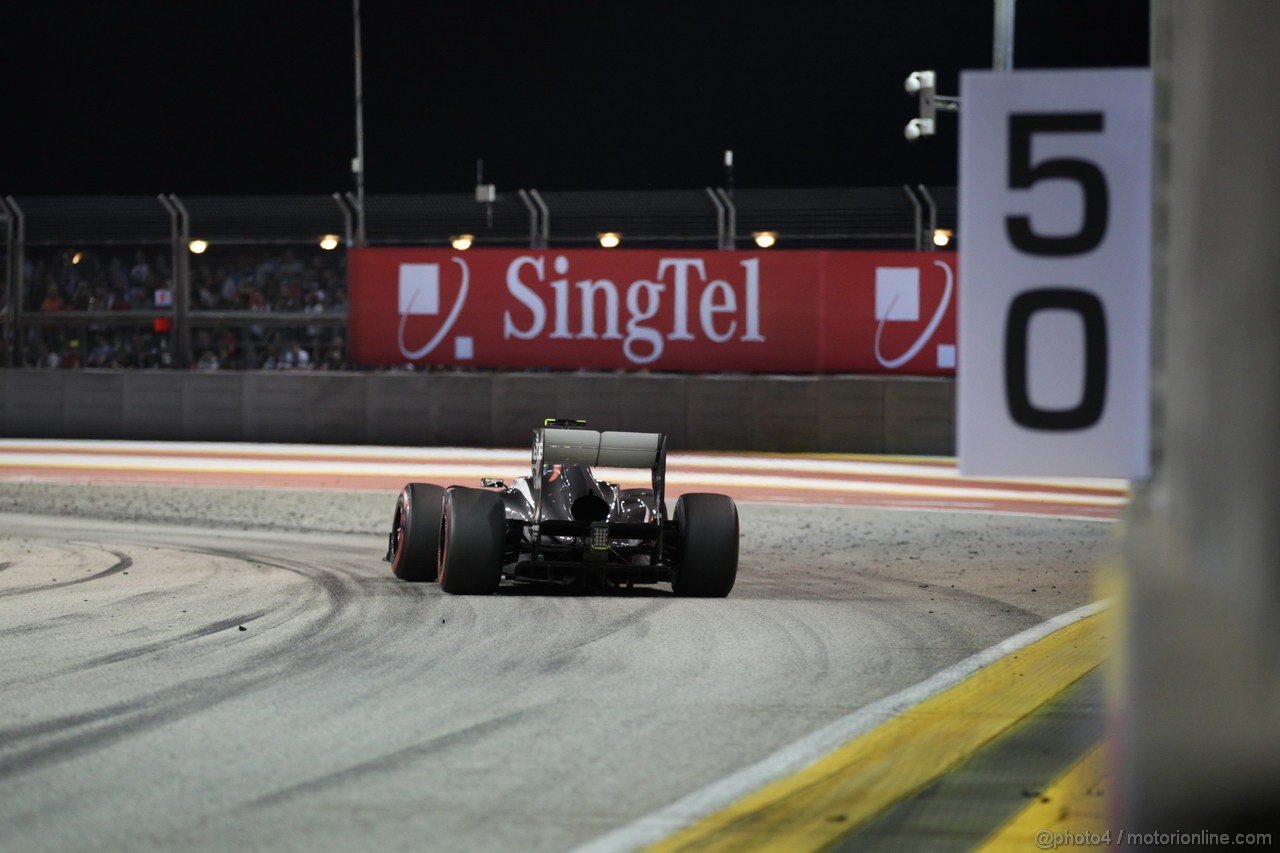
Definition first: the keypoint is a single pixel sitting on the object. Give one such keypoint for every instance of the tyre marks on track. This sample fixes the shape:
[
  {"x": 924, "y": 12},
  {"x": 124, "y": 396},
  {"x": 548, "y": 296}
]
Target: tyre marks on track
[
  {"x": 336, "y": 590},
  {"x": 294, "y": 649},
  {"x": 151, "y": 648},
  {"x": 395, "y": 760},
  {"x": 562, "y": 658},
  {"x": 123, "y": 562}
]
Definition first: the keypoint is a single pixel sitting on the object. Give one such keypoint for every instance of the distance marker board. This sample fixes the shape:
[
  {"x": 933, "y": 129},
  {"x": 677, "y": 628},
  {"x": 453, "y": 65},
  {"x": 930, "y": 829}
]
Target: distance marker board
[{"x": 1055, "y": 273}]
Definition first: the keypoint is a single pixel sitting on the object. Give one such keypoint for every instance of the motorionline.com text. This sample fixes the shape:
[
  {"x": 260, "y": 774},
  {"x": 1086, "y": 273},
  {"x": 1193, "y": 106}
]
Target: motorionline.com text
[{"x": 1049, "y": 840}]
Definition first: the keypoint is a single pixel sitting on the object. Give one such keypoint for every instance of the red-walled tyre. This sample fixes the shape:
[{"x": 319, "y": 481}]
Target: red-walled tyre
[
  {"x": 415, "y": 532},
  {"x": 472, "y": 536},
  {"x": 707, "y": 530}
]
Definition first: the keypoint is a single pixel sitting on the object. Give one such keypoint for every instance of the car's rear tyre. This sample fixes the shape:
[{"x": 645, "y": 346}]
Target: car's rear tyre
[
  {"x": 473, "y": 532},
  {"x": 707, "y": 548},
  {"x": 415, "y": 532}
]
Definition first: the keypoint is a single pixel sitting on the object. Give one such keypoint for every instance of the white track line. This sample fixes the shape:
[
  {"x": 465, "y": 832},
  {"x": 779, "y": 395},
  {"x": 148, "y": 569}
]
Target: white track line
[
  {"x": 428, "y": 472},
  {"x": 967, "y": 509},
  {"x": 804, "y": 752},
  {"x": 258, "y": 449},
  {"x": 935, "y": 468}
]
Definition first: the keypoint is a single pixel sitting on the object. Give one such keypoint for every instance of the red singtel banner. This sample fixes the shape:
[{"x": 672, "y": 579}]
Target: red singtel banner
[{"x": 601, "y": 309}]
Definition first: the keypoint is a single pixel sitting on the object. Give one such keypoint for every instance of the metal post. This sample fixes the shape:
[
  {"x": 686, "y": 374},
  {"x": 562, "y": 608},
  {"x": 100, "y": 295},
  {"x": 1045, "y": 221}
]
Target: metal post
[
  {"x": 545, "y": 237},
  {"x": 17, "y": 233},
  {"x": 18, "y": 253},
  {"x": 731, "y": 218},
  {"x": 1002, "y": 42},
  {"x": 358, "y": 164},
  {"x": 8, "y": 284},
  {"x": 180, "y": 229},
  {"x": 346, "y": 218},
  {"x": 485, "y": 193},
  {"x": 915, "y": 202},
  {"x": 357, "y": 209},
  {"x": 533, "y": 218},
  {"x": 346, "y": 209},
  {"x": 177, "y": 247},
  {"x": 933, "y": 217},
  {"x": 720, "y": 215}
]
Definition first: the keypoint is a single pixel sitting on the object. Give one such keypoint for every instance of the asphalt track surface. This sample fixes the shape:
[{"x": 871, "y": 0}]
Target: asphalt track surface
[{"x": 217, "y": 667}]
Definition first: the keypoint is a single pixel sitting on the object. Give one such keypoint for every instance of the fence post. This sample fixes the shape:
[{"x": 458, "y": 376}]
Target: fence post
[
  {"x": 346, "y": 219},
  {"x": 15, "y": 227},
  {"x": 933, "y": 218},
  {"x": 180, "y": 228},
  {"x": 915, "y": 202},
  {"x": 720, "y": 214},
  {"x": 731, "y": 219},
  {"x": 533, "y": 218},
  {"x": 545, "y": 237}
]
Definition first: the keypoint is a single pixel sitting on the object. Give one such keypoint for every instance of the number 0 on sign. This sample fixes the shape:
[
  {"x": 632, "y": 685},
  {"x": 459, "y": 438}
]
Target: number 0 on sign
[{"x": 1055, "y": 272}]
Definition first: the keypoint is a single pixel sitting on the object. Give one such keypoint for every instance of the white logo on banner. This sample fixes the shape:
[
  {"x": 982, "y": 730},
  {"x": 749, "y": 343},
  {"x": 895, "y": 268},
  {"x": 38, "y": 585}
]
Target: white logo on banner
[
  {"x": 419, "y": 289},
  {"x": 898, "y": 300},
  {"x": 419, "y": 295},
  {"x": 897, "y": 294},
  {"x": 721, "y": 312}
]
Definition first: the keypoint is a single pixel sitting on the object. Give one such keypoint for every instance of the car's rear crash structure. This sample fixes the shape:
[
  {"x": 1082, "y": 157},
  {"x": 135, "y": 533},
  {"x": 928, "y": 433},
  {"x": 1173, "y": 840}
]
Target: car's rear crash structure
[{"x": 561, "y": 524}]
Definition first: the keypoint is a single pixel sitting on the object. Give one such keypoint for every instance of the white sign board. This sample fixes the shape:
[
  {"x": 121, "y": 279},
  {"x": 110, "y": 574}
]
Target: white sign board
[{"x": 1055, "y": 261}]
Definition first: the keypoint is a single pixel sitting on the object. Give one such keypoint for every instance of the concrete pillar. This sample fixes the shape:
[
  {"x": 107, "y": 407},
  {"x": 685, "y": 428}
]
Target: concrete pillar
[{"x": 1199, "y": 735}]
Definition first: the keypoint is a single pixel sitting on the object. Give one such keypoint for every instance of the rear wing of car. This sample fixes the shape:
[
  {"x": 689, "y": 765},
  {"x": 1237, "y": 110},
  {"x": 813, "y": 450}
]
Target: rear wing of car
[
  {"x": 562, "y": 444},
  {"x": 588, "y": 447}
]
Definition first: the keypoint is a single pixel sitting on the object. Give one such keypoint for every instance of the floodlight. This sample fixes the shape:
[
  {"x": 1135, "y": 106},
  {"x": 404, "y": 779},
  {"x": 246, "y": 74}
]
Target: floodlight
[
  {"x": 922, "y": 84},
  {"x": 918, "y": 80},
  {"x": 462, "y": 242},
  {"x": 765, "y": 239},
  {"x": 918, "y": 127},
  {"x": 198, "y": 246},
  {"x": 610, "y": 239},
  {"x": 329, "y": 242}
]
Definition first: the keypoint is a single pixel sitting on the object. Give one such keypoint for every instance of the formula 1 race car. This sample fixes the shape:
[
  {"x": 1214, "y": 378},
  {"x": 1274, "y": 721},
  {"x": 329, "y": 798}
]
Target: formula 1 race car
[{"x": 562, "y": 525}]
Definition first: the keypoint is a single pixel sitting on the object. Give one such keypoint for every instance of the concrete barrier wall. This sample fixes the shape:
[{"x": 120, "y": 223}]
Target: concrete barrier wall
[{"x": 857, "y": 414}]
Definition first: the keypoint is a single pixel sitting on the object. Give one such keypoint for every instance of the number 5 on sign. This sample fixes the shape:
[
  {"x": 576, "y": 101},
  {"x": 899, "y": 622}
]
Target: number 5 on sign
[{"x": 1055, "y": 272}]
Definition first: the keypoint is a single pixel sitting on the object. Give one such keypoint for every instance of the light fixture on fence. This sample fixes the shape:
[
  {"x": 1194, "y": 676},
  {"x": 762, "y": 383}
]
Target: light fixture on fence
[
  {"x": 329, "y": 242},
  {"x": 765, "y": 239},
  {"x": 610, "y": 239},
  {"x": 198, "y": 246},
  {"x": 941, "y": 237},
  {"x": 922, "y": 84},
  {"x": 77, "y": 257},
  {"x": 462, "y": 242}
]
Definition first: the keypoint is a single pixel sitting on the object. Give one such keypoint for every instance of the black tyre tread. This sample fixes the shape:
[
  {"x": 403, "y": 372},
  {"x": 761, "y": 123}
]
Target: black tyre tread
[
  {"x": 707, "y": 527},
  {"x": 416, "y": 557},
  {"x": 472, "y": 542}
]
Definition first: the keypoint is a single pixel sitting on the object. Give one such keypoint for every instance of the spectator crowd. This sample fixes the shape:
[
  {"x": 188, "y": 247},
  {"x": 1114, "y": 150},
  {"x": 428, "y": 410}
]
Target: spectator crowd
[{"x": 241, "y": 280}]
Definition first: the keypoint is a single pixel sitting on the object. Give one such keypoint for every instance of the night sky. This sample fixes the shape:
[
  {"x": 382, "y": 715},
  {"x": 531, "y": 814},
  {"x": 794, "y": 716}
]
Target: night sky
[{"x": 235, "y": 97}]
